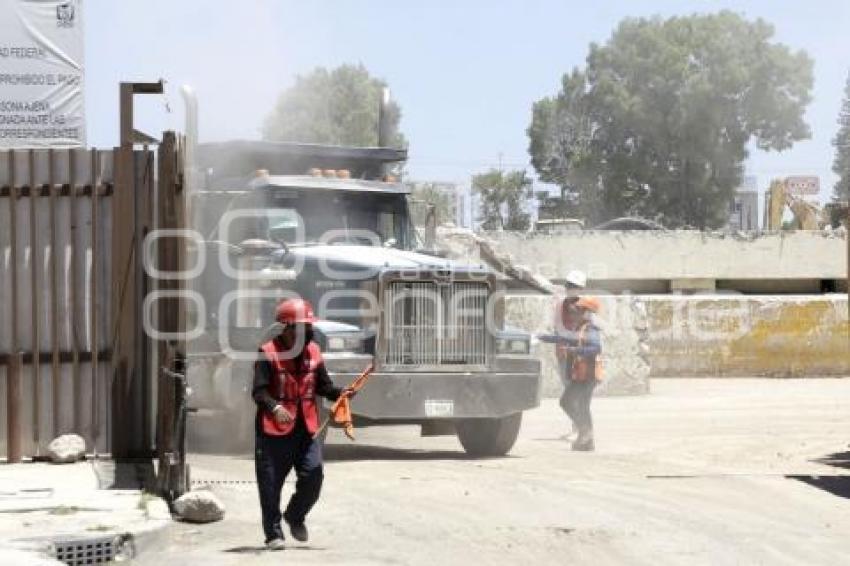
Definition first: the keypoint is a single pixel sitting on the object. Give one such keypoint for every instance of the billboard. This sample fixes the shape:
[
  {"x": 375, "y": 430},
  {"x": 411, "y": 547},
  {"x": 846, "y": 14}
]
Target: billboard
[
  {"x": 41, "y": 73},
  {"x": 803, "y": 185}
]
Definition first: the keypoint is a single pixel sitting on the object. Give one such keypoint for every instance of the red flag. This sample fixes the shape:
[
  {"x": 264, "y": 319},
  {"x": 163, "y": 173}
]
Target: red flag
[{"x": 341, "y": 409}]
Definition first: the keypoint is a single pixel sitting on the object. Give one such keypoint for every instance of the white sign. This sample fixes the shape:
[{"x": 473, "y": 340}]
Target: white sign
[
  {"x": 804, "y": 185},
  {"x": 439, "y": 408},
  {"x": 41, "y": 73}
]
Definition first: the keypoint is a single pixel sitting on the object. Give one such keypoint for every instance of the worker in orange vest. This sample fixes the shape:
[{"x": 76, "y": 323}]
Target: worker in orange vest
[
  {"x": 574, "y": 284},
  {"x": 578, "y": 347},
  {"x": 288, "y": 375}
]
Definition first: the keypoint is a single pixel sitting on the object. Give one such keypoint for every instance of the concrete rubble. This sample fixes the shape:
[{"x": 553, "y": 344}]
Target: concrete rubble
[
  {"x": 200, "y": 506},
  {"x": 465, "y": 245},
  {"x": 623, "y": 321},
  {"x": 66, "y": 449}
]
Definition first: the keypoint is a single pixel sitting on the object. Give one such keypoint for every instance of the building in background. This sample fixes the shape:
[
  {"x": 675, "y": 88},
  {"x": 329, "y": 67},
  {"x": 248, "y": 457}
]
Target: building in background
[{"x": 744, "y": 208}]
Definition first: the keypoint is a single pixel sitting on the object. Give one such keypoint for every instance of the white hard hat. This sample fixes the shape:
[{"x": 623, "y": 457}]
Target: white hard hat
[{"x": 576, "y": 278}]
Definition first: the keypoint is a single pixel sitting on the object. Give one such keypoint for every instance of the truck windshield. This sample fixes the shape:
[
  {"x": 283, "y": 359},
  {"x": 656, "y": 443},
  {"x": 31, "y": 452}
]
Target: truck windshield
[{"x": 300, "y": 217}]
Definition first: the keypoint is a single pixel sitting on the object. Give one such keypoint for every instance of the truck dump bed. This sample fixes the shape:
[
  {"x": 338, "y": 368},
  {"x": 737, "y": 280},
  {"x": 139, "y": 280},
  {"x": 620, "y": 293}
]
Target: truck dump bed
[{"x": 229, "y": 165}]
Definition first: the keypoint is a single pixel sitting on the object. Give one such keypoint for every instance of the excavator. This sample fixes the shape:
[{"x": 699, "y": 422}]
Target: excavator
[{"x": 807, "y": 216}]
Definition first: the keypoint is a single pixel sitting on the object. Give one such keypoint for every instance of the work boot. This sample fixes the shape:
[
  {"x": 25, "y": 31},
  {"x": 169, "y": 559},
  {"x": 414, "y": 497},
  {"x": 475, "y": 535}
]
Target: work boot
[
  {"x": 275, "y": 544},
  {"x": 584, "y": 442},
  {"x": 298, "y": 529},
  {"x": 586, "y": 446}
]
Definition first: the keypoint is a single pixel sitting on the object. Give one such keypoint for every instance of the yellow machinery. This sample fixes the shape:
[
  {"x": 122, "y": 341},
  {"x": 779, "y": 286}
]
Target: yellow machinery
[{"x": 807, "y": 216}]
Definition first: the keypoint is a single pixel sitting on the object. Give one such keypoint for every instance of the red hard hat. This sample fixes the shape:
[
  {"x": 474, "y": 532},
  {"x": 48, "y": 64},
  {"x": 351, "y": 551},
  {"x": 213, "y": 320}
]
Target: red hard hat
[{"x": 293, "y": 311}]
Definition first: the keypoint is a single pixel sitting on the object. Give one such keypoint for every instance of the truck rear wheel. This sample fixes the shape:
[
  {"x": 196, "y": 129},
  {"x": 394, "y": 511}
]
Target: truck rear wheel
[{"x": 489, "y": 437}]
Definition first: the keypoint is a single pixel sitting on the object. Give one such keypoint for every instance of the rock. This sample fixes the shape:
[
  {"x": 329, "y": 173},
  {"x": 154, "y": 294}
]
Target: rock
[
  {"x": 66, "y": 448},
  {"x": 199, "y": 507}
]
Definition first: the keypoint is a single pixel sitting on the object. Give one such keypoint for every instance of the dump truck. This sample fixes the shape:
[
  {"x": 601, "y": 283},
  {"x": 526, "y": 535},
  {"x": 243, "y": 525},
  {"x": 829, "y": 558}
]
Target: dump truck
[{"x": 332, "y": 225}]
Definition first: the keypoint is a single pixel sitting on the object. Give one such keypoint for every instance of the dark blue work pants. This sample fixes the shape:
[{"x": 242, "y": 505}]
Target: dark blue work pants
[{"x": 274, "y": 457}]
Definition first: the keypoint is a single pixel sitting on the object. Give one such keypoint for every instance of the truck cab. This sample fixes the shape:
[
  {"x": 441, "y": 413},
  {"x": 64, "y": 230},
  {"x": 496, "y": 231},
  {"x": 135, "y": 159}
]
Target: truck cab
[{"x": 329, "y": 225}]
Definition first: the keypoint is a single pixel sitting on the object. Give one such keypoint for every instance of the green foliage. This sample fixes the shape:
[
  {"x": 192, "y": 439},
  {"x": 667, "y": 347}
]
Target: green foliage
[
  {"x": 561, "y": 135},
  {"x": 841, "y": 165},
  {"x": 658, "y": 123},
  {"x": 503, "y": 195},
  {"x": 339, "y": 107}
]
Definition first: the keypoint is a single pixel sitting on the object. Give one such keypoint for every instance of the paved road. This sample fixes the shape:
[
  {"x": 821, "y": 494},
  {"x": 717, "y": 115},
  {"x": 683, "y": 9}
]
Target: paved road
[{"x": 698, "y": 472}]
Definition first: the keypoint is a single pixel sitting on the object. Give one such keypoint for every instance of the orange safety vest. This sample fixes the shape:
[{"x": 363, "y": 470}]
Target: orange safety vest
[
  {"x": 582, "y": 369},
  {"x": 292, "y": 386}
]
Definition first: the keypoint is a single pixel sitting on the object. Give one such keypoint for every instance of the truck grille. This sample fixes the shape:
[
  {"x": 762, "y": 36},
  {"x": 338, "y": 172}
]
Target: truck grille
[{"x": 435, "y": 324}]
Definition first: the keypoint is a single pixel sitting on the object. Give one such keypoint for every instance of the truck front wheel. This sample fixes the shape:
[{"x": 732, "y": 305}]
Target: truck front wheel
[{"x": 488, "y": 437}]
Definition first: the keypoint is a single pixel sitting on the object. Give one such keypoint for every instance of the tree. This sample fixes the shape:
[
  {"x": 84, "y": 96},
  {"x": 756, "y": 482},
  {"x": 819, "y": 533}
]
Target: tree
[
  {"x": 339, "y": 107},
  {"x": 503, "y": 196},
  {"x": 658, "y": 122},
  {"x": 440, "y": 195},
  {"x": 841, "y": 165},
  {"x": 560, "y": 135}
]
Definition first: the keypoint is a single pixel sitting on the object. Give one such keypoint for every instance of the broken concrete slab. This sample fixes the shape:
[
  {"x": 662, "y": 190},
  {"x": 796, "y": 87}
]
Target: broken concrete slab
[
  {"x": 623, "y": 320},
  {"x": 199, "y": 506}
]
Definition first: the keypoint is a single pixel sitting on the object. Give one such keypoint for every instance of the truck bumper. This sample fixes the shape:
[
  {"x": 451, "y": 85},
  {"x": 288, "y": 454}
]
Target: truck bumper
[{"x": 513, "y": 384}]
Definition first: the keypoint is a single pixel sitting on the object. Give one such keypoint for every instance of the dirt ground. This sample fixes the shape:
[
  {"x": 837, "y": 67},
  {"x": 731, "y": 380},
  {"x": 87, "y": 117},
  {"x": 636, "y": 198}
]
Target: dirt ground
[{"x": 698, "y": 472}]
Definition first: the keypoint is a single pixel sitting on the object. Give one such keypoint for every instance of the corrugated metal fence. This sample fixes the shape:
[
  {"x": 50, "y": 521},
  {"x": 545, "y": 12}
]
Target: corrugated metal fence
[
  {"x": 55, "y": 295},
  {"x": 75, "y": 355}
]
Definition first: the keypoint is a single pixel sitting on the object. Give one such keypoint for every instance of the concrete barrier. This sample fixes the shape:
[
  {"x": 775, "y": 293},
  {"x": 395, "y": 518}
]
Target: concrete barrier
[
  {"x": 657, "y": 336},
  {"x": 694, "y": 335},
  {"x": 766, "y": 336},
  {"x": 680, "y": 254}
]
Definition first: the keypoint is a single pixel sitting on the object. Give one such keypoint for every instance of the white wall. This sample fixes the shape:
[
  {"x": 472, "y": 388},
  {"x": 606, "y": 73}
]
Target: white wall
[{"x": 680, "y": 254}]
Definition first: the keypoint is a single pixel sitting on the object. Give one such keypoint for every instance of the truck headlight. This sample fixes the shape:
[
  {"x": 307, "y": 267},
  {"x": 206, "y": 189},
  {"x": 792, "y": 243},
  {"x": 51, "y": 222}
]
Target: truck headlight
[
  {"x": 344, "y": 344},
  {"x": 512, "y": 346}
]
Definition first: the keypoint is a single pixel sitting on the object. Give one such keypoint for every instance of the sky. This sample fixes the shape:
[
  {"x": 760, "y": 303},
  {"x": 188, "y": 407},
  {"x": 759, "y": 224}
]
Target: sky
[{"x": 465, "y": 73}]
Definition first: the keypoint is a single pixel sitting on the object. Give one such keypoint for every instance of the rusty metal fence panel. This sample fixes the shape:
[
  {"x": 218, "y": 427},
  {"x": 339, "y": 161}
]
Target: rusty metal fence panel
[{"x": 55, "y": 296}]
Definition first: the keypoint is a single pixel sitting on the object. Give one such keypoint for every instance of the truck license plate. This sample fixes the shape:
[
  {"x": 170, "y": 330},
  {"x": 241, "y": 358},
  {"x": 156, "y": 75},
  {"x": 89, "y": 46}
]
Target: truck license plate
[{"x": 439, "y": 408}]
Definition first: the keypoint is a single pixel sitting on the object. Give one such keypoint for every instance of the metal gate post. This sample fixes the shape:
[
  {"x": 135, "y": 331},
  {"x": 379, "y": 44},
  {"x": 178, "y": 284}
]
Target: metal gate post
[
  {"x": 13, "y": 408},
  {"x": 131, "y": 219}
]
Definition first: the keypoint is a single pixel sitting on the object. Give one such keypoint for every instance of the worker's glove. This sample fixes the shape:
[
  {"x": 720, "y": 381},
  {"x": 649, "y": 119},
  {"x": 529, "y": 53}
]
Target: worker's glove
[{"x": 281, "y": 415}]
